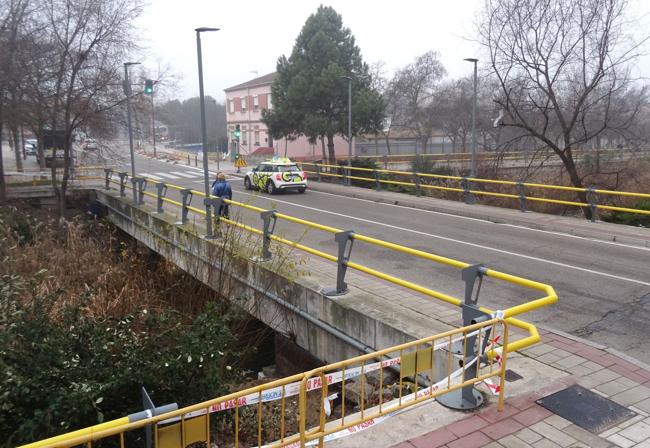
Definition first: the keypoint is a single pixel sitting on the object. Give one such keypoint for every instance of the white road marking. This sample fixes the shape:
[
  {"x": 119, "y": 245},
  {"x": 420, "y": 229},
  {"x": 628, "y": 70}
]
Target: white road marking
[
  {"x": 468, "y": 218},
  {"x": 453, "y": 240},
  {"x": 150, "y": 176},
  {"x": 185, "y": 175},
  {"x": 167, "y": 175}
]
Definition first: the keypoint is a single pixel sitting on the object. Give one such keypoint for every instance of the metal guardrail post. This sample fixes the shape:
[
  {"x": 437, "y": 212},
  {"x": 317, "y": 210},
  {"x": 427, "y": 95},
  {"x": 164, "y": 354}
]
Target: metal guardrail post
[
  {"x": 161, "y": 188},
  {"x": 188, "y": 159},
  {"x": 377, "y": 183},
  {"x": 468, "y": 197},
  {"x": 318, "y": 173},
  {"x": 150, "y": 410},
  {"x": 123, "y": 176},
  {"x": 416, "y": 181},
  {"x": 468, "y": 397},
  {"x": 592, "y": 197},
  {"x": 385, "y": 161},
  {"x": 140, "y": 184},
  {"x": 215, "y": 202},
  {"x": 344, "y": 180},
  {"x": 269, "y": 219},
  {"x": 196, "y": 160},
  {"x": 186, "y": 195},
  {"x": 345, "y": 241},
  {"x": 108, "y": 172},
  {"x": 522, "y": 197}
]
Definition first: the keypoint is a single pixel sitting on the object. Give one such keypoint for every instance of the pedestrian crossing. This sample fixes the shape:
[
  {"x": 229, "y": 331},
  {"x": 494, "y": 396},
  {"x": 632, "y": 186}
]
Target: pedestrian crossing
[{"x": 176, "y": 175}]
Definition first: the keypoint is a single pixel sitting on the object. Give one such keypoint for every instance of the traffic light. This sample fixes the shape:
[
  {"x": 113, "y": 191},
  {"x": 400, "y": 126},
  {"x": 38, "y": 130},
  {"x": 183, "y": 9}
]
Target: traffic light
[
  {"x": 148, "y": 86},
  {"x": 237, "y": 132}
]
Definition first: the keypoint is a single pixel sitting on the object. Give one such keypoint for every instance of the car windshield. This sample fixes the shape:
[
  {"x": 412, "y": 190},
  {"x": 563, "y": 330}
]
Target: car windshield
[{"x": 288, "y": 168}]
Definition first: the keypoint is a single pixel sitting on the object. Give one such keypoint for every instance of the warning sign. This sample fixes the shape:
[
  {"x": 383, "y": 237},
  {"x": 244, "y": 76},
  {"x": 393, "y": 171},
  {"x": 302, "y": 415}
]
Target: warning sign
[{"x": 240, "y": 162}]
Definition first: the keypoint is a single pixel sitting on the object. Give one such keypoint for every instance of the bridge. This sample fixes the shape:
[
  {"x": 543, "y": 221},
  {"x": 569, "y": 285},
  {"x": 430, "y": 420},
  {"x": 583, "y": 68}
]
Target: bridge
[{"x": 383, "y": 276}]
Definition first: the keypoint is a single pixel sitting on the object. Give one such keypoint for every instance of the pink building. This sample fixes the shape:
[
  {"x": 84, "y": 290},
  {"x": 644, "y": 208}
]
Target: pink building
[{"x": 244, "y": 105}]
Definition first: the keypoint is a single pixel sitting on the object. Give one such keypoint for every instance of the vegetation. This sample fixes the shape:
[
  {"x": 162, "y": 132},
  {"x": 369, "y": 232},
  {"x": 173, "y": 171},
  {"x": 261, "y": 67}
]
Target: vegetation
[
  {"x": 310, "y": 93},
  {"x": 82, "y": 328},
  {"x": 630, "y": 219}
]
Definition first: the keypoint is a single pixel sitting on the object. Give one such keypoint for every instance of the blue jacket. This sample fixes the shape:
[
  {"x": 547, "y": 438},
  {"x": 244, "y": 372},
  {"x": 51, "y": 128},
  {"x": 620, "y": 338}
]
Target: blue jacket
[{"x": 222, "y": 189}]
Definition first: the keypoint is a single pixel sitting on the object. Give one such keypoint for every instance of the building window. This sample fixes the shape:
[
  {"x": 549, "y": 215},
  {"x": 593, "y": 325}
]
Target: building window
[
  {"x": 269, "y": 101},
  {"x": 256, "y": 102},
  {"x": 231, "y": 106},
  {"x": 257, "y": 138},
  {"x": 242, "y": 103}
]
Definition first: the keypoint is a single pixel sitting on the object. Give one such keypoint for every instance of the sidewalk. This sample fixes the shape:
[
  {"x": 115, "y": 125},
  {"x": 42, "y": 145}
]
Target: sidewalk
[
  {"x": 541, "y": 221},
  {"x": 524, "y": 423}
]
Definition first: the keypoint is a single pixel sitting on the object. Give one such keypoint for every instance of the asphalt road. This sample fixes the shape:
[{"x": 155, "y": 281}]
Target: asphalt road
[{"x": 604, "y": 287}]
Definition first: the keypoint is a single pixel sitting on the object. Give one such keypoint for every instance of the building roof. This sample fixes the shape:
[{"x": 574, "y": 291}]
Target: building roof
[{"x": 261, "y": 81}]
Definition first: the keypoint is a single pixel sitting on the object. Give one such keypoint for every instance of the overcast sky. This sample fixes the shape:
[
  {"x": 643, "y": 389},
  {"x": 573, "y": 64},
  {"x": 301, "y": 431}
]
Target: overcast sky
[{"x": 254, "y": 33}]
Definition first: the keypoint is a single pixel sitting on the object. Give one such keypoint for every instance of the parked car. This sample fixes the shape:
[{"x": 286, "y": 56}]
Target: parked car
[
  {"x": 277, "y": 174},
  {"x": 90, "y": 145},
  {"x": 30, "y": 146},
  {"x": 59, "y": 158}
]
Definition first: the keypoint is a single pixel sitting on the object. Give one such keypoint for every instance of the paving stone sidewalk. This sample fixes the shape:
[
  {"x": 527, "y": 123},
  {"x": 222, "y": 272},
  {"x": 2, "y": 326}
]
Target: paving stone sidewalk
[{"x": 524, "y": 423}]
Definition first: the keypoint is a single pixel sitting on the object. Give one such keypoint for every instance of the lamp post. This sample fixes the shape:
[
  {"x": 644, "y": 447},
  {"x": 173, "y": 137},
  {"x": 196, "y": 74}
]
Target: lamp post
[
  {"x": 473, "y": 170},
  {"x": 153, "y": 124},
  {"x": 204, "y": 134},
  {"x": 127, "y": 92},
  {"x": 349, "y": 78}
]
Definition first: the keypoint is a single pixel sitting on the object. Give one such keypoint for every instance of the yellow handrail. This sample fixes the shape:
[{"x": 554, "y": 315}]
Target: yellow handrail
[
  {"x": 550, "y": 297},
  {"x": 477, "y": 180}
]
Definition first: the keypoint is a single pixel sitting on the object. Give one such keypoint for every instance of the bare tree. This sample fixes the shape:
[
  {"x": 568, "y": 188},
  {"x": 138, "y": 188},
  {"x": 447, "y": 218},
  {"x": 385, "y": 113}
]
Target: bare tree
[
  {"x": 87, "y": 41},
  {"x": 562, "y": 67}
]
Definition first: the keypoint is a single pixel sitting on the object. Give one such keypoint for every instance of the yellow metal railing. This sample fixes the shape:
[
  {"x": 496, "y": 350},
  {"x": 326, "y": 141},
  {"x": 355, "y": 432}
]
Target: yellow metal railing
[
  {"x": 465, "y": 188},
  {"x": 397, "y": 377},
  {"x": 549, "y": 296}
]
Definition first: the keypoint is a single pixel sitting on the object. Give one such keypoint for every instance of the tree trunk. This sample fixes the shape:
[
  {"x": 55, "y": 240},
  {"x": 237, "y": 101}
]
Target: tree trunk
[
  {"x": 40, "y": 151},
  {"x": 572, "y": 171},
  {"x": 22, "y": 142},
  {"x": 16, "y": 144},
  {"x": 330, "y": 149},
  {"x": 3, "y": 189},
  {"x": 322, "y": 144}
]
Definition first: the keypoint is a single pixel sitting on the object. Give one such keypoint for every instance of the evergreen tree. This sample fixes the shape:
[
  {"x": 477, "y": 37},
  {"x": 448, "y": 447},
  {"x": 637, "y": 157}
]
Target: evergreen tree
[{"x": 310, "y": 93}]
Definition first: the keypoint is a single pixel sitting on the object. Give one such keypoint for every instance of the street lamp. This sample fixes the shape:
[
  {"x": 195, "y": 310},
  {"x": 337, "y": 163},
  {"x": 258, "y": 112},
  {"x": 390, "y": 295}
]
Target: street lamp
[
  {"x": 349, "y": 78},
  {"x": 204, "y": 134},
  {"x": 127, "y": 92},
  {"x": 473, "y": 170},
  {"x": 216, "y": 138}
]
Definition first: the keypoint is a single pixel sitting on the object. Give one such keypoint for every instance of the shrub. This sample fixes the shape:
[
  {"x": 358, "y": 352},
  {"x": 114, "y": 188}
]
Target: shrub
[{"x": 630, "y": 219}]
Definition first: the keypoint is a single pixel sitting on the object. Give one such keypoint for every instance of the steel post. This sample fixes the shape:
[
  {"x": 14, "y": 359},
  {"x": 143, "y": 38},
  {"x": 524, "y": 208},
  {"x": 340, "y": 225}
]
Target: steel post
[
  {"x": 318, "y": 173},
  {"x": 522, "y": 196},
  {"x": 592, "y": 197},
  {"x": 468, "y": 397},
  {"x": 186, "y": 195},
  {"x": 416, "y": 181},
  {"x": 123, "y": 176},
  {"x": 127, "y": 88},
  {"x": 345, "y": 241},
  {"x": 139, "y": 185},
  {"x": 377, "y": 183},
  {"x": 213, "y": 203},
  {"x": 269, "y": 219},
  {"x": 468, "y": 197},
  {"x": 349, "y": 127},
  {"x": 108, "y": 172},
  {"x": 161, "y": 188}
]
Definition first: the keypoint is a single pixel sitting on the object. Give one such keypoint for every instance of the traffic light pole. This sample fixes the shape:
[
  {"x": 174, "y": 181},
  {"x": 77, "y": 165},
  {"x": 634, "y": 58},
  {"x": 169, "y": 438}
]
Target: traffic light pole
[
  {"x": 127, "y": 91},
  {"x": 153, "y": 124}
]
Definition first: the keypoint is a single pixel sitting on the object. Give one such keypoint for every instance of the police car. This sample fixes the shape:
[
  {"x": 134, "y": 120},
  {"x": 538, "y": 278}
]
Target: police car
[{"x": 279, "y": 173}]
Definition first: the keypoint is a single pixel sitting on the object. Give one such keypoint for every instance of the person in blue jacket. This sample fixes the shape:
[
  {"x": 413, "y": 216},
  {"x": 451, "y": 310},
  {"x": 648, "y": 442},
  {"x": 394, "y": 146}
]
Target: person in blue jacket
[{"x": 221, "y": 187}]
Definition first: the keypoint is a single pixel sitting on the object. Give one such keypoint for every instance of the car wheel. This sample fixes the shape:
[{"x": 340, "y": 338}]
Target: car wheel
[
  {"x": 302, "y": 190},
  {"x": 247, "y": 183},
  {"x": 270, "y": 187}
]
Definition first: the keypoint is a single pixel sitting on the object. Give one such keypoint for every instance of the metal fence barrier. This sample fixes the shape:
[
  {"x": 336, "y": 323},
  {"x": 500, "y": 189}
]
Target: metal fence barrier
[
  {"x": 388, "y": 382},
  {"x": 465, "y": 187}
]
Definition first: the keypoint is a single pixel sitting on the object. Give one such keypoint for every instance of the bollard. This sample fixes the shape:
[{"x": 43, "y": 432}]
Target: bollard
[
  {"x": 592, "y": 198},
  {"x": 108, "y": 173},
  {"x": 377, "y": 183},
  {"x": 161, "y": 188},
  {"x": 186, "y": 195},
  {"x": 269, "y": 219},
  {"x": 468, "y": 397},
  {"x": 123, "y": 176},
  {"x": 522, "y": 196},
  {"x": 342, "y": 238}
]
